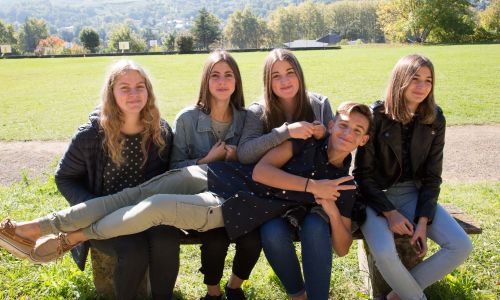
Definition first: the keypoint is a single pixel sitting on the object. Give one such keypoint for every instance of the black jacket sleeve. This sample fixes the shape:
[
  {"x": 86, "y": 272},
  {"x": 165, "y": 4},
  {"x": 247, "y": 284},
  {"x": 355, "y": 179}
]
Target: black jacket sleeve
[
  {"x": 72, "y": 173},
  {"x": 433, "y": 166},
  {"x": 364, "y": 172}
]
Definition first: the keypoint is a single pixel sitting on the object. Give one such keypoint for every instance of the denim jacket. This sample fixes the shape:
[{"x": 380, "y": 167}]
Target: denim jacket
[{"x": 194, "y": 137}]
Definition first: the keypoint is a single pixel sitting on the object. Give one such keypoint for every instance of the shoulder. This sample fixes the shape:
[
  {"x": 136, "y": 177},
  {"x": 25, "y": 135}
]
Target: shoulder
[
  {"x": 188, "y": 112},
  {"x": 256, "y": 108},
  {"x": 317, "y": 99},
  {"x": 87, "y": 132},
  {"x": 440, "y": 119}
]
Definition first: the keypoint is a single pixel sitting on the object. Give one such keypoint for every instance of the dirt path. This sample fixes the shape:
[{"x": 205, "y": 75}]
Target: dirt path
[{"x": 472, "y": 153}]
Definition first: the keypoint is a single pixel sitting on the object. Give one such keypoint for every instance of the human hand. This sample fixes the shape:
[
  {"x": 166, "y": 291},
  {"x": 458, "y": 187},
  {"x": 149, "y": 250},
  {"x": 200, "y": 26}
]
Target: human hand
[
  {"x": 329, "y": 189},
  {"x": 419, "y": 239},
  {"x": 301, "y": 130},
  {"x": 328, "y": 206},
  {"x": 216, "y": 153},
  {"x": 231, "y": 153},
  {"x": 398, "y": 223},
  {"x": 319, "y": 130}
]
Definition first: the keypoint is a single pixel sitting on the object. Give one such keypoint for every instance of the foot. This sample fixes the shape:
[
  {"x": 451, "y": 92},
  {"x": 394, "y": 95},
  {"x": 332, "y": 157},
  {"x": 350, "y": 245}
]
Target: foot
[
  {"x": 13, "y": 242},
  {"x": 51, "y": 248},
  {"x": 234, "y": 294}
]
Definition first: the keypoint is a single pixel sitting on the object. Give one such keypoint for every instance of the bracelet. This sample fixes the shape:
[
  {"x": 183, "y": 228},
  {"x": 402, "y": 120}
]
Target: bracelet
[{"x": 307, "y": 182}]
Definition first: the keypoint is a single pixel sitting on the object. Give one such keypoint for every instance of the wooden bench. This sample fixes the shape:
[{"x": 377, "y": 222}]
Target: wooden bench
[{"x": 374, "y": 284}]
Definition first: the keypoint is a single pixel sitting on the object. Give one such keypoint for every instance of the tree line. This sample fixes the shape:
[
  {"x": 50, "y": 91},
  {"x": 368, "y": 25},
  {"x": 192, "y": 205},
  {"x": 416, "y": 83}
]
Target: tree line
[{"x": 401, "y": 21}]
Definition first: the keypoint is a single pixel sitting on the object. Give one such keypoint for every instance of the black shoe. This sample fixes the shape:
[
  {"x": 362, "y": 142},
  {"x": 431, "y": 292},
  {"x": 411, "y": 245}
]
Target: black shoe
[
  {"x": 208, "y": 297},
  {"x": 234, "y": 294}
]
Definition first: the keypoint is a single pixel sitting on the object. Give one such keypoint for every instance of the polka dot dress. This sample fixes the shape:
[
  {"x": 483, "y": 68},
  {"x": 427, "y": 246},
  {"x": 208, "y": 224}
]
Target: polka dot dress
[{"x": 129, "y": 174}]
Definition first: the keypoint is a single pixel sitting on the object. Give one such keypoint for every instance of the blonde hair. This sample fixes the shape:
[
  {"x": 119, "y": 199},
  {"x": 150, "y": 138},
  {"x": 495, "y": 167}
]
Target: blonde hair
[
  {"x": 237, "y": 98},
  {"x": 395, "y": 103},
  {"x": 273, "y": 114},
  {"x": 111, "y": 117}
]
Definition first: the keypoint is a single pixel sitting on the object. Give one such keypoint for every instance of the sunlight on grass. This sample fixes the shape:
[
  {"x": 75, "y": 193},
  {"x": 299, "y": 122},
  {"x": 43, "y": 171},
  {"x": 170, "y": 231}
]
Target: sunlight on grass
[
  {"x": 55, "y": 96},
  {"x": 30, "y": 198}
]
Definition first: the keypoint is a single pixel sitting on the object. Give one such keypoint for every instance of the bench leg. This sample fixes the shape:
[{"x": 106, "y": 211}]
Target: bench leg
[
  {"x": 374, "y": 283},
  {"x": 103, "y": 266}
]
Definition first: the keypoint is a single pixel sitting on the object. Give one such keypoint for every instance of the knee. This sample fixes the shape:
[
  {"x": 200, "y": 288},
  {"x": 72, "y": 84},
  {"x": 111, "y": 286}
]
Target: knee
[
  {"x": 249, "y": 242},
  {"x": 215, "y": 241},
  {"x": 461, "y": 245},
  {"x": 315, "y": 229},
  {"x": 275, "y": 234}
]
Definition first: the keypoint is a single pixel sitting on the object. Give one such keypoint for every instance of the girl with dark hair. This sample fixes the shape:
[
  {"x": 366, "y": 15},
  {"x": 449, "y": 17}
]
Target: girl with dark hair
[
  {"x": 399, "y": 174},
  {"x": 289, "y": 111},
  {"x": 207, "y": 132}
]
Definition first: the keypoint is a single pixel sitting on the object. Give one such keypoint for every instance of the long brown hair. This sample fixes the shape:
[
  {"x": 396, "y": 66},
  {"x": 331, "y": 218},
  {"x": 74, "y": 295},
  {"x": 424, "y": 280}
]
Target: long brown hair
[
  {"x": 274, "y": 116},
  {"x": 111, "y": 117},
  {"x": 395, "y": 103},
  {"x": 237, "y": 98}
]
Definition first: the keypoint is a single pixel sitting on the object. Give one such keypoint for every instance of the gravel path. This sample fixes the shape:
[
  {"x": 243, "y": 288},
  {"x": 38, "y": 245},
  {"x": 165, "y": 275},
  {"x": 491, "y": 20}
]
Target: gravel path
[{"x": 472, "y": 153}]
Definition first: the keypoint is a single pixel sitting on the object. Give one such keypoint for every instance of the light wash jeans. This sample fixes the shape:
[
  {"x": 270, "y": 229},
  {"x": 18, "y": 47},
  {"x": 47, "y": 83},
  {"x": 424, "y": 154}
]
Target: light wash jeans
[
  {"x": 277, "y": 240},
  {"x": 178, "y": 198},
  {"x": 444, "y": 230}
]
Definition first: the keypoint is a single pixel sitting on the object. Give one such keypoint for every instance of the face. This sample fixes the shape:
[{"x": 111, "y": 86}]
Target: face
[
  {"x": 349, "y": 131},
  {"x": 130, "y": 92},
  {"x": 419, "y": 88},
  {"x": 285, "y": 82},
  {"x": 222, "y": 82}
]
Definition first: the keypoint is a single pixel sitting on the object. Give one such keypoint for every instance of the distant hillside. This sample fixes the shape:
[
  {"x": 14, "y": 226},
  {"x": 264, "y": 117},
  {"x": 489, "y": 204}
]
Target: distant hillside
[{"x": 156, "y": 14}]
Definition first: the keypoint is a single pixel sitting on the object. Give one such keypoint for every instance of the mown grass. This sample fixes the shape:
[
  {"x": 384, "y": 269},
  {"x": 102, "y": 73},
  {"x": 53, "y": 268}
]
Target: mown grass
[
  {"x": 29, "y": 198},
  {"x": 46, "y": 99}
]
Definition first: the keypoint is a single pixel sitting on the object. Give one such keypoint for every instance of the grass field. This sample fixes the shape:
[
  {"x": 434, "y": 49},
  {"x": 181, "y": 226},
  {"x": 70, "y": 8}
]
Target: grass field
[
  {"x": 477, "y": 278},
  {"x": 46, "y": 99}
]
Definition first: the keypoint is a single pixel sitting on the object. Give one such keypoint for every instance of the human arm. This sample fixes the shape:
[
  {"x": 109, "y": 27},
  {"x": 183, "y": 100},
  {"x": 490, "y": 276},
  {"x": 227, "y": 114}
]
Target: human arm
[
  {"x": 254, "y": 143},
  {"x": 72, "y": 173},
  {"x": 420, "y": 235},
  {"x": 433, "y": 166},
  {"x": 268, "y": 171},
  {"x": 340, "y": 227}
]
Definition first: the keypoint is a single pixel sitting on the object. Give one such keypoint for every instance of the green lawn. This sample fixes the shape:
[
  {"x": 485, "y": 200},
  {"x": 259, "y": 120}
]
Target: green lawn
[
  {"x": 46, "y": 99},
  {"x": 476, "y": 279}
]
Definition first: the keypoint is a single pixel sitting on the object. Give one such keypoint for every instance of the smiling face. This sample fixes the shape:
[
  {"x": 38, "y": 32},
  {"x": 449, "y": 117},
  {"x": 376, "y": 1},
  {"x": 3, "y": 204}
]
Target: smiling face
[
  {"x": 222, "y": 82},
  {"x": 419, "y": 88},
  {"x": 285, "y": 82},
  {"x": 130, "y": 92},
  {"x": 349, "y": 131}
]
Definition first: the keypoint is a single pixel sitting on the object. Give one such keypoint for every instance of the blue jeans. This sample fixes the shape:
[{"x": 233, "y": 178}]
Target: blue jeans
[
  {"x": 444, "y": 230},
  {"x": 277, "y": 241}
]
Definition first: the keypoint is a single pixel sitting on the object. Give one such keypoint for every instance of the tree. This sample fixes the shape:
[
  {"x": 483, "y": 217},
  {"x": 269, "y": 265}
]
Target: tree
[
  {"x": 32, "y": 31},
  {"x": 354, "y": 20},
  {"x": 168, "y": 41},
  {"x": 490, "y": 17},
  {"x": 206, "y": 29},
  {"x": 415, "y": 20},
  {"x": 89, "y": 39},
  {"x": 245, "y": 30},
  {"x": 123, "y": 33},
  {"x": 312, "y": 20},
  {"x": 285, "y": 24},
  {"x": 8, "y": 36},
  {"x": 184, "y": 42},
  {"x": 51, "y": 45}
]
